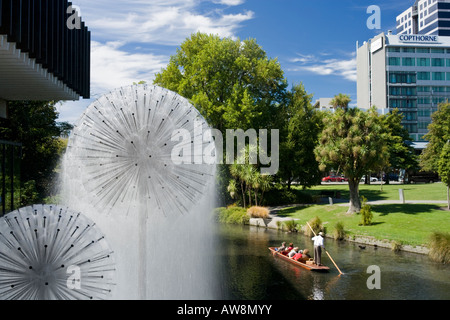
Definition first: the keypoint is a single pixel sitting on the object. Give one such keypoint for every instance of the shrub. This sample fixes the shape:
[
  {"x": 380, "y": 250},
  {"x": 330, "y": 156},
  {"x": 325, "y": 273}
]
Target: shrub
[
  {"x": 339, "y": 232},
  {"x": 258, "y": 212},
  {"x": 232, "y": 215},
  {"x": 366, "y": 212},
  {"x": 439, "y": 245},
  {"x": 291, "y": 225},
  {"x": 396, "y": 246},
  {"x": 316, "y": 225}
]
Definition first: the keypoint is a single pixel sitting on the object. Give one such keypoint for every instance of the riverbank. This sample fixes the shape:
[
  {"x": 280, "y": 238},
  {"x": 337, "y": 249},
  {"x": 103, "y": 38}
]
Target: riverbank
[{"x": 407, "y": 227}]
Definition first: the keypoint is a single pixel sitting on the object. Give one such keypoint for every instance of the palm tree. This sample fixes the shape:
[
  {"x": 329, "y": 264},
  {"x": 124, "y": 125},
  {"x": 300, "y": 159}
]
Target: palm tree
[{"x": 341, "y": 101}]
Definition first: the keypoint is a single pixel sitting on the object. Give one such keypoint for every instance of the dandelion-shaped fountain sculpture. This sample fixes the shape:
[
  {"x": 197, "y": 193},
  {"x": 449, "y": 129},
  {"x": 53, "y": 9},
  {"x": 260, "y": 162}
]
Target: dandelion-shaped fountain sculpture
[
  {"x": 49, "y": 252},
  {"x": 138, "y": 151},
  {"x": 123, "y": 148}
]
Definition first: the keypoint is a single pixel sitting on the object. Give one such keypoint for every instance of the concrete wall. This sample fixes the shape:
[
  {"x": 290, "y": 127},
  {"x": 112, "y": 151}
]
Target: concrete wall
[
  {"x": 362, "y": 72},
  {"x": 379, "y": 88}
]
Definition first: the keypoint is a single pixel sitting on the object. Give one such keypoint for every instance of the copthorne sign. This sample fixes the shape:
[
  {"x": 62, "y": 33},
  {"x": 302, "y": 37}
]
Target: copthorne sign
[{"x": 418, "y": 38}]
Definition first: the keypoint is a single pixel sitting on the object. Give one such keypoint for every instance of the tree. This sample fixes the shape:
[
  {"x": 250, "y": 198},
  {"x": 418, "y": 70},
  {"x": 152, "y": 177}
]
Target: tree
[
  {"x": 231, "y": 82},
  {"x": 302, "y": 125},
  {"x": 437, "y": 136},
  {"x": 444, "y": 168},
  {"x": 341, "y": 101},
  {"x": 33, "y": 123},
  {"x": 354, "y": 142}
]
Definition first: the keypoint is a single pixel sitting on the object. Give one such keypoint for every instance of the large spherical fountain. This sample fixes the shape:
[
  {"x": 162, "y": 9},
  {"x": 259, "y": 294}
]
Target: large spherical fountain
[
  {"x": 51, "y": 252},
  {"x": 123, "y": 167}
]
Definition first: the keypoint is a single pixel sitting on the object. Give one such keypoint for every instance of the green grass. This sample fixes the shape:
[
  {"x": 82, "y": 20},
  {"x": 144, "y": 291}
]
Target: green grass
[
  {"x": 406, "y": 223},
  {"x": 431, "y": 191}
]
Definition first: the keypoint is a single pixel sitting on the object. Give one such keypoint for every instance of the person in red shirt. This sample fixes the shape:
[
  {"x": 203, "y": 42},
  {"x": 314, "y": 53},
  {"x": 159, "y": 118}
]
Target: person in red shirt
[
  {"x": 298, "y": 255},
  {"x": 288, "y": 249}
]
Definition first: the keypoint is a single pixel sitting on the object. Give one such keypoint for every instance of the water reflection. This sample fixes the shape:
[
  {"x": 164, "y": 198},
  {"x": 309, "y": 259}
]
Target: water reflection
[{"x": 250, "y": 271}]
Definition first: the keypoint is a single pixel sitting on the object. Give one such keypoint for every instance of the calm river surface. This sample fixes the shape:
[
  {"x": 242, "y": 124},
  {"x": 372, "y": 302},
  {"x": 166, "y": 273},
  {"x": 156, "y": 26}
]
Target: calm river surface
[{"x": 249, "y": 271}]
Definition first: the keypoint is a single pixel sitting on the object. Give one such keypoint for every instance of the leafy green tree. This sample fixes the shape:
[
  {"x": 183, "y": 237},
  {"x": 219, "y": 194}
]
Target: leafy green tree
[
  {"x": 354, "y": 142},
  {"x": 437, "y": 136},
  {"x": 444, "y": 168},
  {"x": 301, "y": 130},
  {"x": 33, "y": 123},
  {"x": 231, "y": 82}
]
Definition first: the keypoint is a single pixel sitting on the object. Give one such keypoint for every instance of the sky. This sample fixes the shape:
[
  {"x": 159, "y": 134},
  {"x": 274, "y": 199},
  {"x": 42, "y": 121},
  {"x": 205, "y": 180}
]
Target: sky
[{"x": 314, "y": 41}]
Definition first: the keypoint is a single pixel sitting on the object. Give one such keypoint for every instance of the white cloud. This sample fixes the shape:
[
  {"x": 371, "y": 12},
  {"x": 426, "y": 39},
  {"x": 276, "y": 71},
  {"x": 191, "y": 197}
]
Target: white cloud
[
  {"x": 125, "y": 35},
  {"x": 157, "y": 21},
  {"x": 230, "y": 2},
  {"x": 345, "y": 67},
  {"x": 112, "y": 67}
]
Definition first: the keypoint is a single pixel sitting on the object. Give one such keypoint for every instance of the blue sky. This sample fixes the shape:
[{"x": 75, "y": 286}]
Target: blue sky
[{"x": 314, "y": 41}]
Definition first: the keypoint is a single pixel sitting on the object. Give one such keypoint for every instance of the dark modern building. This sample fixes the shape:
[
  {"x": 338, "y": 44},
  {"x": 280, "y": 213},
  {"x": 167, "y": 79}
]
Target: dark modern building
[{"x": 44, "y": 56}]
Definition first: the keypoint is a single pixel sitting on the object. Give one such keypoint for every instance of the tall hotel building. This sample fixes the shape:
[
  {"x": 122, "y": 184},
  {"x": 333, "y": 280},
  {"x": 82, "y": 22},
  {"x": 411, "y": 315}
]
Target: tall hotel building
[{"x": 410, "y": 70}]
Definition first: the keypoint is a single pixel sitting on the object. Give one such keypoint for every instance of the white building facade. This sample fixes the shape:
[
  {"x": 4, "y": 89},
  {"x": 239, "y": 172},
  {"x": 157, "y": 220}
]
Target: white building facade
[{"x": 410, "y": 72}]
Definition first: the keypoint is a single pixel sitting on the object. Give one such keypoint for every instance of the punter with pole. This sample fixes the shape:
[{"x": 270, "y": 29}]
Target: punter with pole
[
  {"x": 318, "y": 245},
  {"x": 318, "y": 249}
]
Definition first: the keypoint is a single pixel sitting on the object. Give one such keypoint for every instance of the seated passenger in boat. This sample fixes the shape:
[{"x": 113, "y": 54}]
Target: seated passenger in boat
[
  {"x": 305, "y": 256},
  {"x": 298, "y": 255},
  {"x": 293, "y": 252},
  {"x": 288, "y": 249},
  {"x": 282, "y": 248}
]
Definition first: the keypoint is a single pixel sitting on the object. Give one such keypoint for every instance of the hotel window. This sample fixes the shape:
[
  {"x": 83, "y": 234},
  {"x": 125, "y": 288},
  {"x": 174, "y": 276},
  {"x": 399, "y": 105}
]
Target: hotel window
[
  {"x": 424, "y": 100},
  {"x": 423, "y": 124},
  {"x": 394, "y": 61},
  {"x": 410, "y": 127},
  {"x": 407, "y": 49},
  {"x": 423, "y": 50},
  {"x": 423, "y": 112},
  {"x": 423, "y": 89},
  {"x": 448, "y": 75},
  {"x": 438, "y": 76},
  {"x": 437, "y": 50},
  {"x": 393, "y": 49},
  {"x": 402, "y": 77},
  {"x": 438, "y": 89},
  {"x": 423, "y": 62},
  {"x": 423, "y": 76},
  {"x": 438, "y": 62},
  {"x": 408, "y": 62}
]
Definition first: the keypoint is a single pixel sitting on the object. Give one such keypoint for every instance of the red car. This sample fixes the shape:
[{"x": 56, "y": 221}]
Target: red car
[{"x": 333, "y": 179}]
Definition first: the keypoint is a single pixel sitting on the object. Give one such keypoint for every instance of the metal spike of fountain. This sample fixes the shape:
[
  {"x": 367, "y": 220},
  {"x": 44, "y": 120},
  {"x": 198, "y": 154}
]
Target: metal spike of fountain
[{"x": 49, "y": 252}]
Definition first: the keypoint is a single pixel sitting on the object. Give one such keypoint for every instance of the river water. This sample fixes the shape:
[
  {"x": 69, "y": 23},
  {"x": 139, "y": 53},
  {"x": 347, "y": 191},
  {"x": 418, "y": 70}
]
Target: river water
[{"x": 248, "y": 271}]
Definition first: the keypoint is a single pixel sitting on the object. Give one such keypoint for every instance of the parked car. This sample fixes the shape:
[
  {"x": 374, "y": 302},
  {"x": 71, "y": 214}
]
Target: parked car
[
  {"x": 332, "y": 179},
  {"x": 390, "y": 177},
  {"x": 372, "y": 179},
  {"x": 419, "y": 176}
]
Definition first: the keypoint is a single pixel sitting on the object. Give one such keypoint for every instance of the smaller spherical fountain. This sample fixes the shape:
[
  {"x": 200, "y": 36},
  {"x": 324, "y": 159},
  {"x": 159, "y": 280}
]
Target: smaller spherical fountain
[{"x": 48, "y": 252}]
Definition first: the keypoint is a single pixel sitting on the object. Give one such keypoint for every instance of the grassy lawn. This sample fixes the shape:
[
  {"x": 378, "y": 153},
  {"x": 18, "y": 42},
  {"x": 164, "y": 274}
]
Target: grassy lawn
[
  {"x": 406, "y": 223},
  {"x": 431, "y": 191}
]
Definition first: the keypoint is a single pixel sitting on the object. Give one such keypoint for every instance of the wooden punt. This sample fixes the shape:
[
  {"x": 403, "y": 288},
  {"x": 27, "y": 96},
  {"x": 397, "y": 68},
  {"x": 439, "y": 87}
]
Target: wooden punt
[{"x": 311, "y": 267}]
